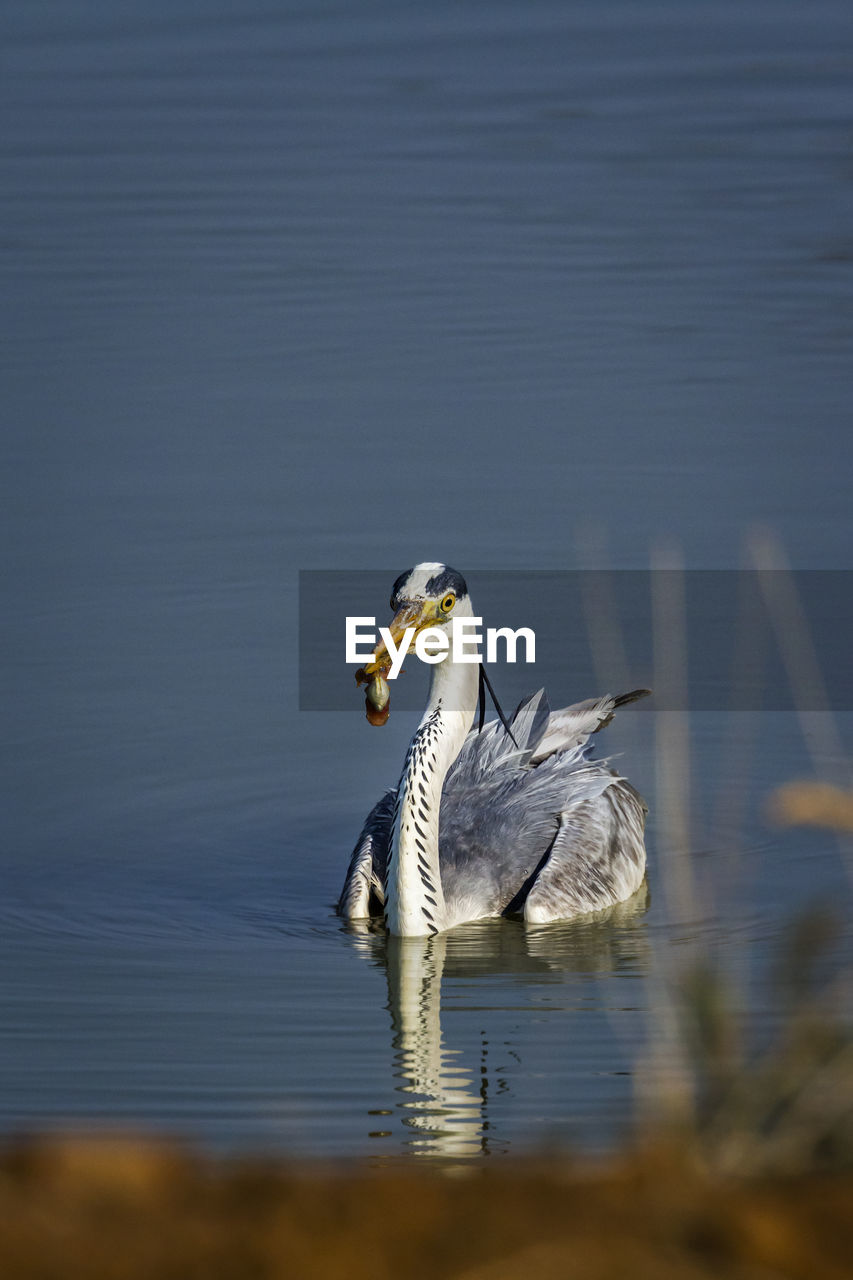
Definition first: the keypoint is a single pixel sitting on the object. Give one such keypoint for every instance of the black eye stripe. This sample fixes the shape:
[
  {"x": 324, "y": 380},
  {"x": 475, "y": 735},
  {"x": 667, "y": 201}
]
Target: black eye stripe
[
  {"x": 437, "y": 587},
  {"x": 447, "y": 580}
]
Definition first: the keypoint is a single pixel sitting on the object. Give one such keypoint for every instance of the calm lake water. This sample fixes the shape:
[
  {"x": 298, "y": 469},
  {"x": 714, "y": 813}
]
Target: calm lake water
[{"x": 315, "y": 286}]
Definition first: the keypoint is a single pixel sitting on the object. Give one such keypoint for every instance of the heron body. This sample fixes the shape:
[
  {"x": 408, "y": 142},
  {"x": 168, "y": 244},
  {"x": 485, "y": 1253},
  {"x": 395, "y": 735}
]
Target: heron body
[{"x": 484, "y": 823}]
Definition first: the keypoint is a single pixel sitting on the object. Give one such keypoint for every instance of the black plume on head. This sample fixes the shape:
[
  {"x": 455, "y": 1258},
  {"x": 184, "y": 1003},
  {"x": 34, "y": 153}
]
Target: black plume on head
[
  {"x": 443, "y": 580},
  {"x": 447, "y": 580}
]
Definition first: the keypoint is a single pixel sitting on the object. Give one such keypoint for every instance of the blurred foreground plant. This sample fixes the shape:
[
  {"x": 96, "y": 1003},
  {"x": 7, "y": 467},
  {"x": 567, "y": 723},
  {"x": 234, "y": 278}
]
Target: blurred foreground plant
[{"x": 787, "y": 1109}]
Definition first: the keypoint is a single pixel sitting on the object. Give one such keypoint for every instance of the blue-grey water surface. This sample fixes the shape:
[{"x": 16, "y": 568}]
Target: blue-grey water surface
[{"x": 306, "y": 286}]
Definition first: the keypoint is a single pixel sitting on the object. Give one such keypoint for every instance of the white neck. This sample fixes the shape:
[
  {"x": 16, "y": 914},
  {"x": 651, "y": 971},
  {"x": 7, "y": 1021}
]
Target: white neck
[{"x": 414, "y": 899}]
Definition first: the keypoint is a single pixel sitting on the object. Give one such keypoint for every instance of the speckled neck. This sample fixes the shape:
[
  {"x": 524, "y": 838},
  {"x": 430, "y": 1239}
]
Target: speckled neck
[{"x": 414, "y": 899}]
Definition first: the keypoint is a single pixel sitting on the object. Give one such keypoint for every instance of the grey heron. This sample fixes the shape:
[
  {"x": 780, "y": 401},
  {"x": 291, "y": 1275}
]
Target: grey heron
[{"x": 494, "y": 822}]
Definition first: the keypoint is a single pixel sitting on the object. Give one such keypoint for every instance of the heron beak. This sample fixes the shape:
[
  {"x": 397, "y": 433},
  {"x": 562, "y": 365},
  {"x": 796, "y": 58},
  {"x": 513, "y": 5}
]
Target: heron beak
[{"x": 417, "y": 614}]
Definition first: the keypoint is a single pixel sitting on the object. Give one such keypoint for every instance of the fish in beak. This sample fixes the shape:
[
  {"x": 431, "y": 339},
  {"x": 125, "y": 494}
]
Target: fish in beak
[{"x": 413, "y": 617}]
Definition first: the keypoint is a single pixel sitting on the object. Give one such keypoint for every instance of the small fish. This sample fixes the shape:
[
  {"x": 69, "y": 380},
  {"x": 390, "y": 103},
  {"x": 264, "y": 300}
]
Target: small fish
[
  {"x": 378, "y": 692},
  {"x": 377, "y": 695}
]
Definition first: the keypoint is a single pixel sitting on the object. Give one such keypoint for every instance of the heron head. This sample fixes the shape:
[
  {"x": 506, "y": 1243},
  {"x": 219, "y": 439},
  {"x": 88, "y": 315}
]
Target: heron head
[{"x": 426, "y": 596}]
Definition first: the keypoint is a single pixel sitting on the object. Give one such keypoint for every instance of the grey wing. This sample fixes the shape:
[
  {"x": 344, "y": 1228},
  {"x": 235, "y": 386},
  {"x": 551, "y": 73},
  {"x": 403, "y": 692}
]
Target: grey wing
[
  {"x": 506, "y": 815},
  {"x": 598, "y": 857},
  {"x": 364, "y": 883},
  {"x": 488, "y": 841},
  {"x": 483, "y": 754},
  {"x": 571, "y": 728},
  {"x": 538, "y": 732},
  {"x": 494, "y": 840}
]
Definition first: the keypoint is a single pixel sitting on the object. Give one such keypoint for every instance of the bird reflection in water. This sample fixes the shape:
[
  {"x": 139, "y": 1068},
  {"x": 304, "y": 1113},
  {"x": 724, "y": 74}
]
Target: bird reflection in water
[{"x": 445, "y": 1111}]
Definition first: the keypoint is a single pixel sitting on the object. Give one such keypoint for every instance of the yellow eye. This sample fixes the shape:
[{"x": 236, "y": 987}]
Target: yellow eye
[{"x": 448, "y": 602}]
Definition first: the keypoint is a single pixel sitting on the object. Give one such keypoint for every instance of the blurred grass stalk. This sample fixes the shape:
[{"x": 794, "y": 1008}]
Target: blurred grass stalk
[
  {"x": 665, "y": 1086},
  {"x": 789, "y": 1108},
  {"x": 793, "y": 636}
]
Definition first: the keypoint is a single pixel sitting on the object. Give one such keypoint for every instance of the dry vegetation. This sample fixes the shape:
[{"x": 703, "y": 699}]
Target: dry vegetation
[{"x": 121, "y": 1210}]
